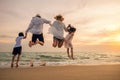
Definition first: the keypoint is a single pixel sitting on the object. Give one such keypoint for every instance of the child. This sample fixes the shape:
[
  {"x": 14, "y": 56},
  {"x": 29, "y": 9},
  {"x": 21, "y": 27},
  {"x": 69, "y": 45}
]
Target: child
[
  {"x": 17, "y": 49},
  {"x": 68, "y": 40}
]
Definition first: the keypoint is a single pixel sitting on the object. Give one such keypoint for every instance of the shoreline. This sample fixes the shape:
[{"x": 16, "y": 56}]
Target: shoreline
[{"x": 55, "y": 65}]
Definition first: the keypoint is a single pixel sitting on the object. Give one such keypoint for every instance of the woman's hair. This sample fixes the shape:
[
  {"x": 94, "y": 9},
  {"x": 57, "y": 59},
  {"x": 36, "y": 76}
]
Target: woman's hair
[
  {"x": 58, "y": 17},
  {"x": 21, "y": 34}
]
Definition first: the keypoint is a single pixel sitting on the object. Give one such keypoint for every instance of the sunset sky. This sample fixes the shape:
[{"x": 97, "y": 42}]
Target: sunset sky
[{"x": 97, "y": 22}]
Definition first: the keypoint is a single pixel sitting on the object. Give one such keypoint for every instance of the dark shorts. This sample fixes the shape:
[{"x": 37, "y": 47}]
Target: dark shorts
[
  {"x": 17, "y": 50},
  {"x": 37, "y": 36},
  {"x": 57, "y": 39}
]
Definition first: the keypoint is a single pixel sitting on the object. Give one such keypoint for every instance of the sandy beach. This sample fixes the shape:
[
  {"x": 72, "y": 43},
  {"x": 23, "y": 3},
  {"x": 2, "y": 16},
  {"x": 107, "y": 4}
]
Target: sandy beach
[{"x": 71, "y": 72}]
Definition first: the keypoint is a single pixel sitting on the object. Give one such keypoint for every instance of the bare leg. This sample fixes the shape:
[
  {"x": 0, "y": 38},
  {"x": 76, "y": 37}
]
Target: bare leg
[
  {"x": 72, "y": 53},
  {"x": 60, "y": 43},
  {"x": 31, "y": 43},
  {"x": 55, "y": 42},
  {"x": 40, "y": 42},
  {"x": 17, "y": 60},
  {"x": 12, "y": 62},
  {"x": 68, "y": 52},
  {"x": 31, "y": 63}
]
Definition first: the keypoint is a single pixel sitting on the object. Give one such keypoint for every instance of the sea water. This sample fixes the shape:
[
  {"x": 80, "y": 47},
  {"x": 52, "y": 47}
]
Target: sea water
[{"x": 60, "y": 58}]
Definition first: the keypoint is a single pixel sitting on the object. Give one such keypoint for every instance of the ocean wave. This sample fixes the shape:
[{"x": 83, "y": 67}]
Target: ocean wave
[{"x": 60, "y": 58}]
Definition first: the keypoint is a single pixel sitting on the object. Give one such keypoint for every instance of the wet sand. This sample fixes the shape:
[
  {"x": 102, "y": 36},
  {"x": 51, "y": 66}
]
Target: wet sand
[{"x": 69, "y": 72}]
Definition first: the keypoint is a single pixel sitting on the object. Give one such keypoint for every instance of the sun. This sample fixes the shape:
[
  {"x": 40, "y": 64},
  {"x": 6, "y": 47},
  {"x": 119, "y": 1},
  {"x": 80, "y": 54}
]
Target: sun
[
  {"x": 117, "y": 38},
  {"x": 111, "y": 27}
]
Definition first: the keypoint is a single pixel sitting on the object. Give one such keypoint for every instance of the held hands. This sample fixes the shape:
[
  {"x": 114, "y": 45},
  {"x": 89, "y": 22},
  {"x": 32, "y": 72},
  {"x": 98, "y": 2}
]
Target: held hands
[
  {"x": 25, "y": 35},
  {"x": 68, "y": 27}
]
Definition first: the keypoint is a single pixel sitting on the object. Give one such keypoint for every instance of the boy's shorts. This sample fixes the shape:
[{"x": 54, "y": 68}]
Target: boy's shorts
[
  {"x": 37, "y": 36},
  {"x": 17, "y": 50}
]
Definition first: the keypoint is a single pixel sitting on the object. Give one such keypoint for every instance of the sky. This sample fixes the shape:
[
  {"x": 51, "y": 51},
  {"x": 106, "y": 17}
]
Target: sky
[{"x": 96, "y": 21}]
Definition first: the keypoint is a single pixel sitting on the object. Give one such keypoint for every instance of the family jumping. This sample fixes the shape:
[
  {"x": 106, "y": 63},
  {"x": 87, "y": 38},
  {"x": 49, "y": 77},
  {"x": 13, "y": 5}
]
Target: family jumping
[{"x": 36, "y": 28}]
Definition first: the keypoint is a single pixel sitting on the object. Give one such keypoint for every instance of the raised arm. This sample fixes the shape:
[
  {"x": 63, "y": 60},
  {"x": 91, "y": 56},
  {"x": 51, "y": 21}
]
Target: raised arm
[
  {"x": 29, "y": 27},
  {"x": 65, "y": 29}
]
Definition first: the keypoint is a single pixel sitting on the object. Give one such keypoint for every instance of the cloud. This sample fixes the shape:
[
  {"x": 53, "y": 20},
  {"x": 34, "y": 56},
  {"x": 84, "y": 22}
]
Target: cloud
[
  {"x": 103, "y": 37},
  {"x": 97, "y": 21}
]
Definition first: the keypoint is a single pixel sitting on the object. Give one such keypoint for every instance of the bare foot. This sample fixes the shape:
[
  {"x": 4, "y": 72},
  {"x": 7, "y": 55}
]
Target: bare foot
[
  {"x": 69, "y": 57},
  {"x": 11, "y": 65},
  {"x": 72, "y": 58},
  {"x": 31, "y": 63},
  {"x": 31, "y": 43},
  {"x": 16, "y": 65},
  {"x": 43, "y": 64}
]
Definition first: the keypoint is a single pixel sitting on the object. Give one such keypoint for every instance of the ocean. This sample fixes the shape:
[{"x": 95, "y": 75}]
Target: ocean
[{"x": 60, "y": 58}]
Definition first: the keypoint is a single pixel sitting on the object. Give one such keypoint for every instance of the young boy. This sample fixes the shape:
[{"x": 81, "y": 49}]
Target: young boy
[
  {"x": 17, "y": 49},
  {"x": 68, "y": 40}
]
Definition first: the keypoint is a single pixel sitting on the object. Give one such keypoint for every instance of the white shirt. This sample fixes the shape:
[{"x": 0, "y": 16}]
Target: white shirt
[
  {"x": 58, "y": 29},
  {"x": 68, "y": 42},
  {"x": 18, "y": 41},
  {"x": 36, "y": 25},
  {"x": 69, "y": 37}
]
